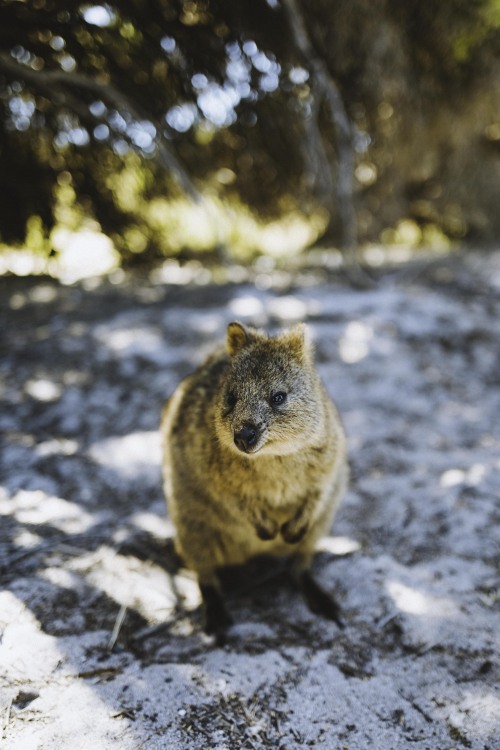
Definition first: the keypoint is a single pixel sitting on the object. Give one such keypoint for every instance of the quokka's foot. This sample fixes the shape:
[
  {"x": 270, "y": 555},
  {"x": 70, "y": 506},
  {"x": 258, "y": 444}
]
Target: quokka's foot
[
  {"x": 318, "y": 600},
  {"x": 216, "y": 617}
]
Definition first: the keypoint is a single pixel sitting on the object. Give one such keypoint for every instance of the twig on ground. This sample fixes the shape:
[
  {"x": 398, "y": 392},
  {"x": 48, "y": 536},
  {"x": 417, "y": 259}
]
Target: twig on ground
[
  {"x": 117, "y": 627},
  {"x": 6, "y": 721}
]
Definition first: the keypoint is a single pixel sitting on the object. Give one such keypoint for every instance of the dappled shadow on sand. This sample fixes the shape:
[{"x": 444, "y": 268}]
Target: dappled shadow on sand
[{"x": 94, "y": 605}]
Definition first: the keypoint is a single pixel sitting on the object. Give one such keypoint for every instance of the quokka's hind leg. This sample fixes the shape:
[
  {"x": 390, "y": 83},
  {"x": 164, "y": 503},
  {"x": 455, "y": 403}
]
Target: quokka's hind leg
[
  {"x": 216, "y": 618},
  {"x": 319, "y": 601},
  {"x": 203, "y": 549}
]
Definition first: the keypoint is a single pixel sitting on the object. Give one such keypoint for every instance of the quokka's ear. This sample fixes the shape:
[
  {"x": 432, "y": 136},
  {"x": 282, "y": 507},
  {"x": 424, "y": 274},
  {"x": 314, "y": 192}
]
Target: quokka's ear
[
  {"x": 238, "y": 337},
  {"x": 298, "y": 341}
]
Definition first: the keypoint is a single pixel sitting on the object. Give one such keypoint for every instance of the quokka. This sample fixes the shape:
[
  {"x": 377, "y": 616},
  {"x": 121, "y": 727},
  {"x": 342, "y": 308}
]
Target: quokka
[{"x": 254, "y": 463}]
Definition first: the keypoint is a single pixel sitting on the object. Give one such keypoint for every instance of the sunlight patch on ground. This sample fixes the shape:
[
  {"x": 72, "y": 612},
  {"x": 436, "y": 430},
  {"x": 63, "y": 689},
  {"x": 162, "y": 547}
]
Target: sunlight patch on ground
[
  {"x": 137, "y": 340},
  {"x": 123, "y": 337},
  {"x": 154, "y": 524},
  {"x": 480, "y": 710},
  {"x": 128, "y": 581},
  {"x": 23, "y": 646},
  {"x": 354, "y": 345},
  {"x": 247, "y": 306},
  {"x": 415, "y": 602},
  {"x": 471, "y": 477},
  {"x": 26, "y": 539},
  {"x": 338, "y": 545},
  {"x": 56, "y": 447},
  {"x": 132, "y": 456},
  {"x": 62, "y": 578},
  {"x": 44, "y": 390},
  {"x": 36, "y": 507},
  {"x": 171, "y": 272},
  {"x": 288, "y": 309}
]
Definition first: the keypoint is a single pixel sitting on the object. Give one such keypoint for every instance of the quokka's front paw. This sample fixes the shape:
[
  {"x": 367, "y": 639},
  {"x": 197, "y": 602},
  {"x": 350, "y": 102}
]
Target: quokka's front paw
[
  {"x": 293, "y": 531},
  {"x": 267, "y": 529}
]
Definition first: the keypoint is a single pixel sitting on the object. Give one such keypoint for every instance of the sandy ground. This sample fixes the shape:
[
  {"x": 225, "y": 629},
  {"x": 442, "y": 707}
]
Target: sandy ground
[{"x": 100, "y": 638}]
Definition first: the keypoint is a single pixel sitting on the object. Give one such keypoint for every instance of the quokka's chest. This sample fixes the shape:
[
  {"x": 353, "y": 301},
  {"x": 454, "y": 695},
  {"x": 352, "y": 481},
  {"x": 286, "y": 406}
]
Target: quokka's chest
[{"x": 272, "y": 485}]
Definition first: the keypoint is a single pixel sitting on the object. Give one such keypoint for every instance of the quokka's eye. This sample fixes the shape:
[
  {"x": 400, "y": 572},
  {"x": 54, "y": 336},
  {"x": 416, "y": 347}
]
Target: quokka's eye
[
  {"x": 231, "y": 400},
  {"x": 278, "y": 398}
]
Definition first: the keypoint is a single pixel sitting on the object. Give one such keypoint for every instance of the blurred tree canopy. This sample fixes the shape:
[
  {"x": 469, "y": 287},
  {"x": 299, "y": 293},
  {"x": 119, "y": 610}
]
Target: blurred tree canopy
[{"x": 370, "y": 112}]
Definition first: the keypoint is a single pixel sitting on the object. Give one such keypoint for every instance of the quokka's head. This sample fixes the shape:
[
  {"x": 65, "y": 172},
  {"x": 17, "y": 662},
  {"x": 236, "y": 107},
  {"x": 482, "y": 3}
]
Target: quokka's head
[{"x": 270, "y": 400}]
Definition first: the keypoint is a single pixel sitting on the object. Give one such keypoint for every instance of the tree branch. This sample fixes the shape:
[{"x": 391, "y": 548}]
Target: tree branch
[
  {"x": 54, "y": 84},
  {"x": 325, "y": 89}
]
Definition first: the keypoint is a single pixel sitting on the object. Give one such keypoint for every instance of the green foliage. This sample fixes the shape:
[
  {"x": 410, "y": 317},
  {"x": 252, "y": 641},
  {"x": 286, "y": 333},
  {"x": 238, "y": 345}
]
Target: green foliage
[
  {"x": 481, "y": 30},
  {"x": 126, "y": 111}
]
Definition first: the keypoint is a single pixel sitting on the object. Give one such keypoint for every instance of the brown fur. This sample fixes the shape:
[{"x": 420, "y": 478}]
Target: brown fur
[{"x": 279, "y": 493}]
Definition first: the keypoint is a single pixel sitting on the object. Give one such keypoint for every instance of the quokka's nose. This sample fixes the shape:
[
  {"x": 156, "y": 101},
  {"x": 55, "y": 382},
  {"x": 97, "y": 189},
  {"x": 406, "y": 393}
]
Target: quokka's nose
[{"x": 246, "y": 437}]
